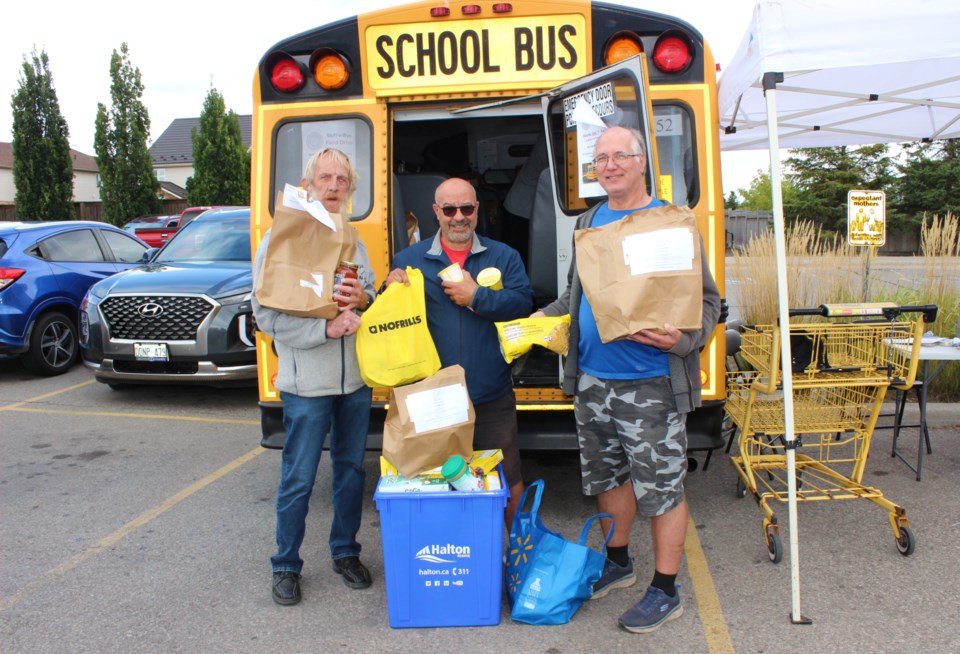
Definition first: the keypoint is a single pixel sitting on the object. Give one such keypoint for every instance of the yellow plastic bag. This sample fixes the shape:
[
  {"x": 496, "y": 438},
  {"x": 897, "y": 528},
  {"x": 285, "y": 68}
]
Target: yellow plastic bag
[
  {"x": 518, "y": 336},
  {"x": 394, "y": 346}
]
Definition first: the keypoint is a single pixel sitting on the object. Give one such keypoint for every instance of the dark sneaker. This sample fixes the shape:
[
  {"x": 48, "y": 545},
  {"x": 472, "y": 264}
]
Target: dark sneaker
[
  {"x": 286, "y": 588},
  {"x": 653, "y": 610},
  {"x": 614, "y": 576},
  {"x": 354, "y": 573}
]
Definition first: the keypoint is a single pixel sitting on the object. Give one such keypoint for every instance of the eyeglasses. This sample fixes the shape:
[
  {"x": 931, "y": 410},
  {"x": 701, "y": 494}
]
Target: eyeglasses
[
  {"x": 602, "y": 160},
  {"x": 466, "y": 209}
]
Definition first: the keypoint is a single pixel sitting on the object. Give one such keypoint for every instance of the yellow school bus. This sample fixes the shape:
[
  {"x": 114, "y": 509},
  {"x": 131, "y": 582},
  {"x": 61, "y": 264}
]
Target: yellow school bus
[{"x": 506, "y": 95}]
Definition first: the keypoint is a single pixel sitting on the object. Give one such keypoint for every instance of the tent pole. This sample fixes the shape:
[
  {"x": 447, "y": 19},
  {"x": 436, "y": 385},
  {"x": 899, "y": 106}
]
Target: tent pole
[{"x": 770, "y": 81}]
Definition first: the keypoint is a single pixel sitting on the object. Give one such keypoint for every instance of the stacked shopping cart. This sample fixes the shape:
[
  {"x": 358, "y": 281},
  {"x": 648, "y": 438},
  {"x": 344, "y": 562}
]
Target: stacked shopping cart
[{"x": 841, "y": 370}]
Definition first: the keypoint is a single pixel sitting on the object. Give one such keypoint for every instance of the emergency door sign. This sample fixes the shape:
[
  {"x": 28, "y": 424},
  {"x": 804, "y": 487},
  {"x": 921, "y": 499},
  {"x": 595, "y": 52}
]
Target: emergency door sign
[{"x": 866, "y": 217}]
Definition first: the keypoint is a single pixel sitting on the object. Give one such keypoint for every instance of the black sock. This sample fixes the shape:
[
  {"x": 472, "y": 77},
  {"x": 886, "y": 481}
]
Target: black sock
[
  {"x": 619, "y": 555},
  {"x": 666, "y": 583}
]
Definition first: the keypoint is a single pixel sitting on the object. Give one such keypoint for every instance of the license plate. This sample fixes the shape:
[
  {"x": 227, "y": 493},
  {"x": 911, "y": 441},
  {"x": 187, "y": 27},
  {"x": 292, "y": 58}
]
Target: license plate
[{"x": 150, "y": 351}]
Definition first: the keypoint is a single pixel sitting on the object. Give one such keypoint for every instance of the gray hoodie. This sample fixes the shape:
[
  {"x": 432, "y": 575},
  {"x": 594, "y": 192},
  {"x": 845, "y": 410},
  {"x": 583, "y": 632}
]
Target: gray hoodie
[{"x": 311, "y": 365}]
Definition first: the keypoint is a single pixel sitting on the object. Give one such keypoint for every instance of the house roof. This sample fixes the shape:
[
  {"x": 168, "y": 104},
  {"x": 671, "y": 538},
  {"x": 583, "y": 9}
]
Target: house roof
[
  {"x": 175, "y": 145},
  {"x": 81, "y": 162},
  {"x": 176, "y": 191}
]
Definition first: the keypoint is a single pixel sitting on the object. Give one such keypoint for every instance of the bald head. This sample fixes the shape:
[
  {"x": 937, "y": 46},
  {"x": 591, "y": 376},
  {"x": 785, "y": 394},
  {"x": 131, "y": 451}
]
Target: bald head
[{"x": 457, "y": 197}]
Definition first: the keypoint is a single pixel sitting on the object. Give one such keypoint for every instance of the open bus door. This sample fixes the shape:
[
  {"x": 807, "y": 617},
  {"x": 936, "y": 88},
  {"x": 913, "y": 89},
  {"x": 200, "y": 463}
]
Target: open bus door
[{"x": 575, "y": 114}]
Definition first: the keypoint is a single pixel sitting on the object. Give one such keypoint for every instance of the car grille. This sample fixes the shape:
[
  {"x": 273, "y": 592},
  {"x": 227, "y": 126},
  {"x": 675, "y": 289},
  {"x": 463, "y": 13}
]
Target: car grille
[{"x": 179, "y": 319}]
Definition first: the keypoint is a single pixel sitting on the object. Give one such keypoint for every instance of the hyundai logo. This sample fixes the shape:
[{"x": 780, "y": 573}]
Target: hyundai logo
[{"x": 150, "y": 309}]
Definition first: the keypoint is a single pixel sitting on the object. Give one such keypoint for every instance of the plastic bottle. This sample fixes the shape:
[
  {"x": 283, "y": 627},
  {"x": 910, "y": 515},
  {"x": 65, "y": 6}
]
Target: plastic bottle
[
  {"x": 533, "y": 594},
  {"x": 459, "y": 475}
]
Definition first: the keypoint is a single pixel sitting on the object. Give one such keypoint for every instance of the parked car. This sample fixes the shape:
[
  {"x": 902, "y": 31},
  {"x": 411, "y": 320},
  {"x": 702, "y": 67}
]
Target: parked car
[
  {"x": 185, "y": 317},
  {"x": 144, "y": 222},
  {"x": 45, "y": 269},
  {"x": 157, "y": 235}
]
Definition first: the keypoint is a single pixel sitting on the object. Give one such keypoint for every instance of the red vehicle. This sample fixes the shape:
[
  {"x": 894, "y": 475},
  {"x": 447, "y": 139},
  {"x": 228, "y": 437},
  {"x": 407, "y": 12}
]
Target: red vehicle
[{"x": 157, "y": 237}]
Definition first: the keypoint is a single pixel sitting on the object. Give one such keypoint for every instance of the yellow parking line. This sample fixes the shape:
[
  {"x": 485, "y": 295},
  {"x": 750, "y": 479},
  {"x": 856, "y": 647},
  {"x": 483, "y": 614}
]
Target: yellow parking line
[
  {"x": 126, "y": 530},
  {"x": 121, "y": 414},
  {"x": 10, "y": 407},
  {"x": 708, "y": 604}
]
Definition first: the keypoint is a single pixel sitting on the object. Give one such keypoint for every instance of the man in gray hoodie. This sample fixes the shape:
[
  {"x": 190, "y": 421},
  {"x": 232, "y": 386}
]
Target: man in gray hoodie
[{"x": 322, "y": 392}]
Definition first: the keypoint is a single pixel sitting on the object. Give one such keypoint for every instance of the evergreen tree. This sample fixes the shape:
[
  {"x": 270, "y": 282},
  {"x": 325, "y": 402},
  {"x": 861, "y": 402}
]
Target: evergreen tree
[
  {"x": 823, "y": 176},
  {"x": 42, "y": 168},
  {"x": 731, "y": 202},
  {"x": 128, "y": 187},
  {"x": 220, "y": 160},
  {"x": 930, "y": 182}
]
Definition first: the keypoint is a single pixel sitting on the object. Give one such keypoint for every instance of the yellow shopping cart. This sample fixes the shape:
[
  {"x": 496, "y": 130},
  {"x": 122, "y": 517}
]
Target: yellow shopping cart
[{"x": 841, "y": 369}]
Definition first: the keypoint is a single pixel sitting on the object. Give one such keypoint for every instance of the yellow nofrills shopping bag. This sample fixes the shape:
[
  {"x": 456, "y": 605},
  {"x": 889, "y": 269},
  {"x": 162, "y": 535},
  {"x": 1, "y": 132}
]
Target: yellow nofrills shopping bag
[{"x": 394, "y": 346}]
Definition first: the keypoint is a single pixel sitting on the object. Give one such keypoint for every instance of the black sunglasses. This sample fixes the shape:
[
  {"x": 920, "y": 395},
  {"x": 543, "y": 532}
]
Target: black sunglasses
[{"x": 466, "y": 209}]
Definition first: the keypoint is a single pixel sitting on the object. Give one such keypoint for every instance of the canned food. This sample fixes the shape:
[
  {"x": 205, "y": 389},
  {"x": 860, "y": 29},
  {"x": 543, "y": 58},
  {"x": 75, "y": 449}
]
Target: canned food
[{"x": 345, "y": 269}]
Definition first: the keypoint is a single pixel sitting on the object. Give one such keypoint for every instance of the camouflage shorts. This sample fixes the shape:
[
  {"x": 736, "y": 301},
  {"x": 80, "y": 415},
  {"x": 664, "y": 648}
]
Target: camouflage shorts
[{"x": 630, "y": 430}]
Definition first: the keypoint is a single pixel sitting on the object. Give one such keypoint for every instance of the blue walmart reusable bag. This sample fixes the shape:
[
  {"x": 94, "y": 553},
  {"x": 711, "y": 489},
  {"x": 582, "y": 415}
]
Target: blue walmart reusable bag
[{"x": 549, "y": 577}]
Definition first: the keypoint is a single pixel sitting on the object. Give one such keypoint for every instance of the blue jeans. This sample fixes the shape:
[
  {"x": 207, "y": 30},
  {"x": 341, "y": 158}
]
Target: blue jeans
[{"x": 308, "y": 420}]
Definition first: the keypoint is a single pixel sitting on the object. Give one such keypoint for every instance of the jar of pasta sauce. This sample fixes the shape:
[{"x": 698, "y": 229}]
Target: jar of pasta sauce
[{"x": 345, "y": 269}]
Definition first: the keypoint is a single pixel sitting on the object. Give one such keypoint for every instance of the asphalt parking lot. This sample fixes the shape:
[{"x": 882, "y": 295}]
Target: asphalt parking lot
[{"x": 142, "y": 521}]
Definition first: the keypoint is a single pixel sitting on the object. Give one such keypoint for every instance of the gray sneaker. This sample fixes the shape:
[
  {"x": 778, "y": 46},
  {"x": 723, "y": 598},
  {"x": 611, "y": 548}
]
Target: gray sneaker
[
  {"x": 614, "y": 576},
  {"x": 653, "y": 610}
]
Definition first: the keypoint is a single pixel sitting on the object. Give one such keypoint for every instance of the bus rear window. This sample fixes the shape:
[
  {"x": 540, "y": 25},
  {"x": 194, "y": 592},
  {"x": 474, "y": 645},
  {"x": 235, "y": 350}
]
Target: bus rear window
[
  {"x": 297, "y": 141},
  {"x": 676, "y": 153}
]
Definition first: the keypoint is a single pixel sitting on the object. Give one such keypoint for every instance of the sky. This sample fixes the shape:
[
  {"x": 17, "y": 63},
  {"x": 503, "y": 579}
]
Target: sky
[{"x": 185, "y": 48}]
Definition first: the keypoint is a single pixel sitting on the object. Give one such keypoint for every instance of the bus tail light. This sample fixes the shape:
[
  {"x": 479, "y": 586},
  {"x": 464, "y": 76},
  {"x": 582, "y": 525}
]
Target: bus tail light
[
  {"x": 286, "y": 75},
  {"x": 622, "y": 46},
  {"x": 502, "y": 8},
  {"x": 439, "y": 12},
  {"x": 672, "y": 53},
  {"x": 330, "y": 69},
  {"x": 470, "y": 10}
]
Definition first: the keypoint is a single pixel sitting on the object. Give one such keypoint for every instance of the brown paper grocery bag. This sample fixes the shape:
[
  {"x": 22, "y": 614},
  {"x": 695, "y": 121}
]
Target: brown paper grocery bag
[
  {"x": 642, "y": 271},
  {"x": 301, "y": 251},
  {"x": 422, "y": 429}
]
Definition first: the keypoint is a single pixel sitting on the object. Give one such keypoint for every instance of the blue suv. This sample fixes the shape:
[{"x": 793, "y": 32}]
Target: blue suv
[{"x": 45, "y": 270}]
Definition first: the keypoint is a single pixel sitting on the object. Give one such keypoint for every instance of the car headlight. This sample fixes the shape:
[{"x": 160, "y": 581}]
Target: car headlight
[{"x": 239, "y": 298}]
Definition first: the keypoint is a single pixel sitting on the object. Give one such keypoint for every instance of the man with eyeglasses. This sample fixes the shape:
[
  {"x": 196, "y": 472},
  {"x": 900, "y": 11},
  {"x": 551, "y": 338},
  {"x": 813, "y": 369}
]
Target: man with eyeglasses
[
  {"x": 319, "y": 382},
  {"x": 461, "y": 316},
  {"x": 631, "y": 398}
]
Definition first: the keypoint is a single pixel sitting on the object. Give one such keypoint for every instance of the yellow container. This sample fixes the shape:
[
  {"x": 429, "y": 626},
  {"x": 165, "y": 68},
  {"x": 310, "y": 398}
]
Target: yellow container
[{"x": 490, "y": 277}]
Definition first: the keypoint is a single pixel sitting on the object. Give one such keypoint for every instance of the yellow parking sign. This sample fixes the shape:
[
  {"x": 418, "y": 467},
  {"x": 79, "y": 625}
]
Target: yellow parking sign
[{"x": 866, "y": 217}]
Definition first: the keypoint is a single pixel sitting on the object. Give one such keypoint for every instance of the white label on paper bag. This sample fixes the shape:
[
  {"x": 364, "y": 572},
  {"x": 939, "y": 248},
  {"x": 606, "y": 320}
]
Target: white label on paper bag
[
  {"x": 664, "y": 250},
  {"x": 438, "y": 407},
  {"x": 295, "y": 197},
  {"x": 316, "y": 285}
]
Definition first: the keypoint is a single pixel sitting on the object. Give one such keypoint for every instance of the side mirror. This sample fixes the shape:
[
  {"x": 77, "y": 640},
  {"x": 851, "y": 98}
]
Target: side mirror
[{"x": 148, "y": 255}]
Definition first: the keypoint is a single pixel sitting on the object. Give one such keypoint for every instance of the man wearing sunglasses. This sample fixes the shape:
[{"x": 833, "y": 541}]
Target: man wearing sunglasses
[
  {"x": 631, "y": 398},
  {"x": 461, "y": 316}
]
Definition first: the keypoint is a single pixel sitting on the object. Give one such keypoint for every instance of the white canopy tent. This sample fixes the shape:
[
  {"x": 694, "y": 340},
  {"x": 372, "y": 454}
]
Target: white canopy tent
[
  {"x": 812, "y": 73},
  {"x": 855, "y": 72}
]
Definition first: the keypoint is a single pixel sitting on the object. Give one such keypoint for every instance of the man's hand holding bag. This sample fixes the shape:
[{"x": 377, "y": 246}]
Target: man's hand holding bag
[{"x": 394, "y": 346}]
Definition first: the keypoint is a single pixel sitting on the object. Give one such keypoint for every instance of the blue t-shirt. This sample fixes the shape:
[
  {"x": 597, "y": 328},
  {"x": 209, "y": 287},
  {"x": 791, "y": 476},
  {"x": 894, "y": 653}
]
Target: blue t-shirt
[{"x": 623, "y": 359}]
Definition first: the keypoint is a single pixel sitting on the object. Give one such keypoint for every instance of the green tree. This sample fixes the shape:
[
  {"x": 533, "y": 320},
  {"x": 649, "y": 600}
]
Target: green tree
[
  {"x": 221, "y": 163},
  {"x": 731, "y": 201},
  {"x": 759, "y": 196},
  {"x": 930, "y": 181},
  {"x": 128, "y": 187},
  {"x": 823, "y": 176},
  {"x": 42, "y": 168}
]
